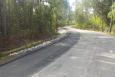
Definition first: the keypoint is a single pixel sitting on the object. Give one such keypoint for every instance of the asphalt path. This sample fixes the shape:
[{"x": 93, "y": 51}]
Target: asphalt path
[{"x": 81, "y": 54}]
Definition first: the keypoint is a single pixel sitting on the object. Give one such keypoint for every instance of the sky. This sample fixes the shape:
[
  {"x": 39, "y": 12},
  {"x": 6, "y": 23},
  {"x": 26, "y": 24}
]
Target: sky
[{"x": 72, "y": 4}]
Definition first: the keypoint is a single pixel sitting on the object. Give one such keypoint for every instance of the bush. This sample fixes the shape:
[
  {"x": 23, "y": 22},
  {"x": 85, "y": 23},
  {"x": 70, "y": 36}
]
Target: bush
[{"x": 114, "y": 28}]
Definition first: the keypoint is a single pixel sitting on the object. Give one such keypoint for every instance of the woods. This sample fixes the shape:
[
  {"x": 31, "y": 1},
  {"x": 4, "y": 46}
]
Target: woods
[
  {"x": 96, "y": 15},
  {"x": 24, "y": 21},
  {"x": 29, "y": 21}
]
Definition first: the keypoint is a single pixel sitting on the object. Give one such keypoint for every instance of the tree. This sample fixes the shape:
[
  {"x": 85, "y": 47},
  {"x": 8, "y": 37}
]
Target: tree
[
  {"x": 98, "y": 11},
  {"x": 102, "y": 8},
  {"x": 3, "y": 17},
  {"x": 111, "y": 15},
  {"x": 30, "y": 20}
]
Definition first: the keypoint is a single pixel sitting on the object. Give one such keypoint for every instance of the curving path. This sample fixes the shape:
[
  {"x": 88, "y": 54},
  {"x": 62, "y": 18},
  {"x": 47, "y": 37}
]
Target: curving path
[{"x": 82, "y": 54}]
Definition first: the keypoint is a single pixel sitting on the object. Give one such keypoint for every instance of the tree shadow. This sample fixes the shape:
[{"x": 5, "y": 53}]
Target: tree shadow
[{"x": 38, "y": 60}]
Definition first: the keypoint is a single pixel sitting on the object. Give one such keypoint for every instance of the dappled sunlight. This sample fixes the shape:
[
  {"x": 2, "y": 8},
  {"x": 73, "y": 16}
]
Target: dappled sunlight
[
  {"x": 62, "y": 44},
  {"x": 61, "y": 30},
  {"x": 111, "y": 51},
  {"x": 108, "y": 55},
  {"x": 83, "y": 31},
  {"x": 74, "y": 57},
  {"x": 106, "y": 67},
  {"x": 105, "y": 37},
  {"x": 107, "y": 62}
]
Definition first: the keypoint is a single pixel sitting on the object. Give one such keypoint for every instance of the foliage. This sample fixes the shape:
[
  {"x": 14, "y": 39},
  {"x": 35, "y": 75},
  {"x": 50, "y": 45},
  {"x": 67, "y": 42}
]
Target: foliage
[
  {"x": 82, "y": 19},
  {"x": 22, "y": 20},
  {"x": 97, "y": 23},
  {"x": 95, "y": 14},
  {"x": 111, "y": 14}
]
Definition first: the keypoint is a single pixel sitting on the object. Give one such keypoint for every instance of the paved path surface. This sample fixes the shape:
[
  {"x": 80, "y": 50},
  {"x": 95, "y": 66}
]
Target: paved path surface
[{"x": 82, "y": 54}]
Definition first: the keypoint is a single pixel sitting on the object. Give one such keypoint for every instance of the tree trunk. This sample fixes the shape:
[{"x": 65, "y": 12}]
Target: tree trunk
[
  {"x": 3, "y": 17},
  {"x": 110, "y": 29}
]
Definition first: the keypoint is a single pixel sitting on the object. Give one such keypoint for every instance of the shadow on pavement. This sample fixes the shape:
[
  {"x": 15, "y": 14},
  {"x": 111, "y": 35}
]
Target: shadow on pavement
[
  {"x": 30, "y": 64},
  {"x": 59, "y": 49}
]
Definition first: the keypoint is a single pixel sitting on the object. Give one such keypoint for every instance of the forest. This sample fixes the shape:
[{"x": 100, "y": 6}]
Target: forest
[
  {"x": 98, "y": 15},
  {"x": 26, "y": 22}
]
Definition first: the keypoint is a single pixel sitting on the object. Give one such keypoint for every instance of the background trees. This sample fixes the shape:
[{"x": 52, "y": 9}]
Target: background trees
[
  {"x": 111, "y": 15},
  {"x": 96, "y": 15},
  {"x": 30, "y": 20}
]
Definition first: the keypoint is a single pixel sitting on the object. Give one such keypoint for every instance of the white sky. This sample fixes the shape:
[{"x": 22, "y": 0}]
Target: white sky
[{"x": 73, "y": 3}]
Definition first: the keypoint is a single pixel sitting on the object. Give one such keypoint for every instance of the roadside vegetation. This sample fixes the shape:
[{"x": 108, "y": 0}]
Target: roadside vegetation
[
  {"x": 24, "y": 23},
  {"x": 98, "y": 15}
]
